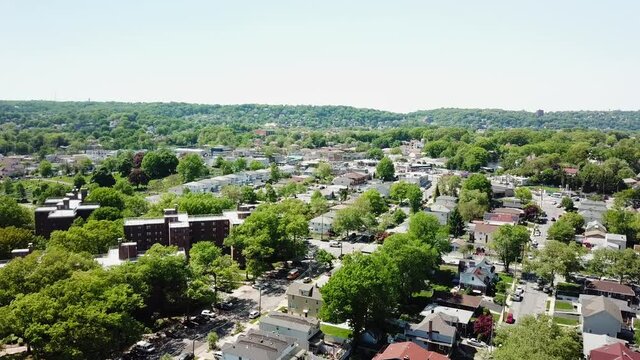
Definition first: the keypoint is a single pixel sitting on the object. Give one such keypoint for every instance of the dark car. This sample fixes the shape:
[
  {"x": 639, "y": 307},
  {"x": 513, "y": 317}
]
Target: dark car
[{"x": 186, "y": 356}]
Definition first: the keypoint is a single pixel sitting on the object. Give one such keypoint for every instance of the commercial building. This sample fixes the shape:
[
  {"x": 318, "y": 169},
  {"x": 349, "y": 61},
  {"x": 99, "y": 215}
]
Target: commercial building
[{"x": 60, "y": 213}]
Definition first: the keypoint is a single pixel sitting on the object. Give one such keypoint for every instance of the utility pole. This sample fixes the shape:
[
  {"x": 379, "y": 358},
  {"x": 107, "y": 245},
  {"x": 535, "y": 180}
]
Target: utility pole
[{"x": 260, "y": 299}]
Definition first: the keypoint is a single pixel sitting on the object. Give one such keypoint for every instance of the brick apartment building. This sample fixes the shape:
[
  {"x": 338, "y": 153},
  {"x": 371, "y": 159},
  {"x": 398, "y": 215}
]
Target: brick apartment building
[
  {"x": 59, "y": 213},
  {"x": 179, "y": 229}
]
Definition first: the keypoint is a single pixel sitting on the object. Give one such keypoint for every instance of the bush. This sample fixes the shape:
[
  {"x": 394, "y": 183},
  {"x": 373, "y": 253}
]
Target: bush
[
  {"x": 499, "y": 299},
  {"x": 212, "y": 340}
]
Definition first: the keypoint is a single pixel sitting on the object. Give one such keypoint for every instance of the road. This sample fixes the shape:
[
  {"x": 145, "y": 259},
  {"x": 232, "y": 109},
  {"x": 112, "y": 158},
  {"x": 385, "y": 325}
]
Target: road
[
  {"x": 546, "y": 203},
  {"x": 533, "y": 302},
  {"x": 347, "y": 247}
]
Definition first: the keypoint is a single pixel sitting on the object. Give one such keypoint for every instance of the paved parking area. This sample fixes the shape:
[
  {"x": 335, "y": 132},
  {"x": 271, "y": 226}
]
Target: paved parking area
[{"x": 533, "y": 302}]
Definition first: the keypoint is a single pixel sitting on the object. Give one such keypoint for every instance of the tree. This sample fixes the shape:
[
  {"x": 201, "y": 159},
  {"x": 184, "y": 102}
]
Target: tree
[
  {"x": 206, "y": 259},
  {"x": 483, "y": 326},
  {"x": 103, "y": 178},
  {"x": 325, "y": 258},
  {"x": 276, "y": 175},
  {"x": 361, "y": 293},
  {"x": 240, "y": 164},
  {"x": 619, "y": 221},
  {"x": 402, "y": 190},
  {"x": 456, "y": 223},
  {"x": 270, "y": 194},
  {"x": 256, "y": 165},
  {"x": 473, "y": 204},
  {"x": 106, "y": 213},
  {"x": 537, "y": 338},
  {"x": 374, "y": 201},
  {"x": 478, "y": 182},
  {"x": 79, "y": 181},
  {"x": 427, "y": 229},
  {"x": 45, "y": 169},
  {"x": 212, "y": 340},
  {"x": 124, "y": 163},
  {"x": 353, "y": 218},
  {"x": 562, "y": 231},
  {"x": 575, "y": 220},
  {"x": 375, "y": 153},
  {"x": 14, "y": 238},
  {"x": 319, "y": 204},
  {"x": 94, "y": 237},
  {"x": 508, "y": 243},
  {"x": 159, "y": 164},
  {"x": 21, "y": 191},
  {"x": 531, "y": 212},
  {"x": 555, "y": 258},
  {"x": 567, "y": 203},
  {"x": 621, "y": 264},
  {"x": 12, "y": 214},
  {"x": 191, "y": 167},
  {"x": 385, "y": 170},
  {"x": 324, "y": 172},
  {"x": 523, "y": 194},
  {"x": 124, "y": 187},
  {"x": 106, "y": 197},
  {"x": 138, "y": 177}
]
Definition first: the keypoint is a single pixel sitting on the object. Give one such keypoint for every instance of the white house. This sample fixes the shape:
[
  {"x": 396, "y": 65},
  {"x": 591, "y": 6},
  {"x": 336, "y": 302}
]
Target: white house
[
  {"x": 300, "y": 328},
  {"x": 600, "y": 315},
  {"x": 440, "y": 211},
  {"x": 322, "y": 224}
]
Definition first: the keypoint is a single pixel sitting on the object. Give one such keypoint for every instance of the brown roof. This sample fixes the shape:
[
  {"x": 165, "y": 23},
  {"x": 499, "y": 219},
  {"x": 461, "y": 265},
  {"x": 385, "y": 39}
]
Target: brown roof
[
  {"x": 570, "y": 170},
  {"x": 356, "y": 176},
  {"x": 615, "y": 351},
  {"x": 408, "y": 350},
  {"x": 486, "y": 228},
  {"x": 512, "y": 211},
  {"x": 458, "y": 299},
  {"x": 610, "y": 287},
  {"x": 502, "y": 217}
]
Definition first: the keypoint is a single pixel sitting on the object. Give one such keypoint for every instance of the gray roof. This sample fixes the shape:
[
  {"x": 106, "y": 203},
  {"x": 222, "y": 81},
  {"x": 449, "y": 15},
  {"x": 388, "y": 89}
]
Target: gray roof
[
  {"x": 258, "y": 345},
  {"x": 297, "y": 288},
  {"x": 599, "y": 304},
  {"x": 289, "y": 321},
  {"x": 622, "y": 305},
  {"x": 438, "y": 324}
]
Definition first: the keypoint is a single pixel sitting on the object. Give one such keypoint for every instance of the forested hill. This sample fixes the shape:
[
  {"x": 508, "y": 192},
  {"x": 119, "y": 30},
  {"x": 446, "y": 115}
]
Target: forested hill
[{"x": 45, "y": 113}]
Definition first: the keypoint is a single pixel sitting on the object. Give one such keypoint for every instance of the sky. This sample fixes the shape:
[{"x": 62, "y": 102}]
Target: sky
[{"x": 391, "y": 55}]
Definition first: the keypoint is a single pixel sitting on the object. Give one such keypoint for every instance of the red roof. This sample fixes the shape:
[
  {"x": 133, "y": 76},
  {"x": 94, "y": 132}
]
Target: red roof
[
  {"x": 410, "y": 351},
  {"x": 615, "y": 351},
  {"x": 459, "y": 299},
  {"x": 486, "y": 228},
  {"x": 570, "y": 170}
]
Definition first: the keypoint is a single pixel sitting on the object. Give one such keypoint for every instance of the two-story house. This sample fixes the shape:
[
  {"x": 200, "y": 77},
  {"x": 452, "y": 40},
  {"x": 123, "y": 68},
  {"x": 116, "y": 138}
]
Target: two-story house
[{"x": 304, "y": 299}]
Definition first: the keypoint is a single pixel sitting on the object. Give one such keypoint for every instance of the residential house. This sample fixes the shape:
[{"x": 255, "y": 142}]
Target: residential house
[
  {"x": 500, "y": 219},
  {"x": 616, "y": 241},
  {"x": 303, "y": 299},
  {"x": 628, "y": 313},
  {"x": 510, "y": 202},
  {"x": 322, "y": 224},
  {"x": 433, "y": 333},
  {"x": 501, "y": 191},
  {"x": 477, "y": 276},
  {"x": 616, "y": 351},
  {"x": 483, "y": 232},
  {"x": 300, "y": 328},
  {"x": 594, "y": 341},
  {"x": 610, "y": 289},
  {"x": 407, "y": 350},
  {"x": 510, "y": 211},
  {"x": 595, "y": 226},
  {"x": 600, "y": 315},
  {"x": 456, "y": 317},
  {"x": 591, "y": 215},
  {"x": 439, "y": 211},
  {"x": 459, "y": 300},
  {"x": 261, "y": 345},
  {"x": 449, "y": 202}
]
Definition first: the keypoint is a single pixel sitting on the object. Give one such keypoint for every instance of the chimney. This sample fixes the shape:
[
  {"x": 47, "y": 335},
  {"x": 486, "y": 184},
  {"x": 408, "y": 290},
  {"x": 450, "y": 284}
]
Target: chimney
[
  {"x": 30, "y": 247},
  {"x": 83, "y": 194},
  {"x": 65, "y": 201},
  {"x": 430, "y": 326}
]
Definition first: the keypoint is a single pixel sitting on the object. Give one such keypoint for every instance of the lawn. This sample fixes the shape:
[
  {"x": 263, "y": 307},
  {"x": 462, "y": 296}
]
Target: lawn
[
  {"x": 508, "y": 279},
  {"x": 565, "y": 321},
  {"x": 564, "y": 305},
  {"x": 335, "y": 331}
]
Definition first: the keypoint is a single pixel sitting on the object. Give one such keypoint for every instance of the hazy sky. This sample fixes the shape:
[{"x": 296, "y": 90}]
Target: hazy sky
[{"x": 393, "y": 55}]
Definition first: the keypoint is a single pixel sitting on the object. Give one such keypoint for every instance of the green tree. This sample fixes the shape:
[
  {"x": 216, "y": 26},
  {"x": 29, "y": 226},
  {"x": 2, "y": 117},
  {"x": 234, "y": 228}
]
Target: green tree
[
  {"x": 212, "y": 340},
  {"x": 95, "y": 237},
  {"x": 478, "y": 182},
  {"x": 319, "y": 205},
  {"x": 270, "y": 194},
  {"x": 206, "y": 260},
  {"x": 473, "y": 204},
  {"x": 575, "y": 220},
  {"x": 159, "y": 164},
  {"x": 619, "y": 221},
  {"x": 103, "y": 178},
  {"x": 427, "y": 229},
  {"x": 12, "y": 214},
  {"x": 324, "y": 172},
  {"x": 456, "y": 223},
  {"x": 373, "y": 200},
  {"x": 523, "y": 194},
  {"x": 621, "y": 264},
  {"x": 191, "y": 167},
  {"x": 325, "y": 258},
  {"x": 385, "y": 170},
  {"x": 79, "y": 181},
  {"x": 276, "y": 175},
  {"x": 124, "y": 163},
  {"x": 15, "y": 238},
  {"x": 567, "y": 203},
  {"x": 537, "y": 338},
  {"x": 201, "y": 203},
  {"x": 375, "y": 153},
  {"x": 508, "y": 243},
  {"x": 555, "y": 258},
  {"x": 402, "y": 191},
  {"x": 240, "y": 164},
  {"x": 562, "y": 231},
  {"x": 106, "y": 197},
  {"x": 256, "y": 165},
  {"x": 45, "y": 169}
]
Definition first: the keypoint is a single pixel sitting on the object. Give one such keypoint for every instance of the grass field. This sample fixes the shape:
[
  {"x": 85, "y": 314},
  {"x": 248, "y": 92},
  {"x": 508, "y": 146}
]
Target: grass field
[
  {"x": 565, "y": 321},
  {"x": 564, "y": 305},
  {"x": 335, "y": 331}
]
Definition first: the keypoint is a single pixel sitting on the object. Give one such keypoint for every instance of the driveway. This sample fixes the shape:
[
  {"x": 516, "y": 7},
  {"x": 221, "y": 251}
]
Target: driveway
[
  {"x": 533, "y": 302},
  {"x": 546, "y": 203},
  {"x": 347, "y": 247}
]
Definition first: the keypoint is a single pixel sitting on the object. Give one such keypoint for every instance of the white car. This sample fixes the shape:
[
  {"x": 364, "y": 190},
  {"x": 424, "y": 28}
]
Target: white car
[
  {"x": 519, "y": 290},
  {"x": 335, "y": 243},
  {"x": 208, "y": 313},
  {"x": 516, "y": 297},
  {"x": 254, "y": 314},
  {"x": 476, "y": 343},
  {"x": 145, "y": 347}
]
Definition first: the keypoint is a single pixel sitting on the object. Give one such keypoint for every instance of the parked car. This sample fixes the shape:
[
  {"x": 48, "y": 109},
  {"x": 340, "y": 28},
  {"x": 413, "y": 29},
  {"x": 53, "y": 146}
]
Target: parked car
[
  {"x": 516, "y": 297},
  {"x": 144, "y": 347},
  {"x": 335, "y": 243},
  {"x": 186, "y": 356},
  {"x": 293, "y": 274},
  {"x": 553, "y": 219},
  {"x": 510, "y": 319},
  {"x": 519, "y": 290},
  {"x": 217, "y": 354},
  {"x": 476, "y": 343},
  {"x": 547, "y": 289},
  {"x": 225, "y": 305},
  {"x": 306, "y": 280},
  {"x": 259, "y": 286},
  {"x": 207, "y": 313},
  {"x": 254, "y": 314}
]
